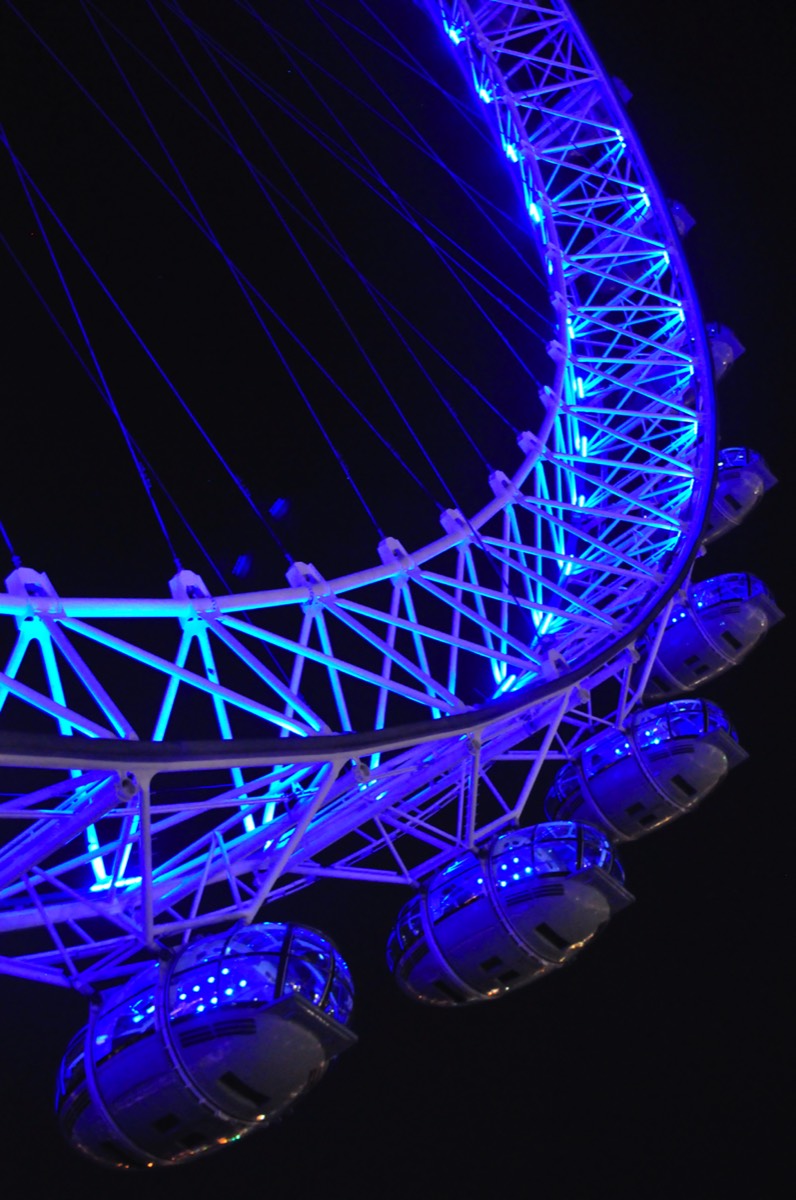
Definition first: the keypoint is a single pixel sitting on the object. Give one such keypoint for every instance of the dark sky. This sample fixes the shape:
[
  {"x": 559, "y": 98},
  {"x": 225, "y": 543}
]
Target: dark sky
[{"x": 655, "y": 1065}]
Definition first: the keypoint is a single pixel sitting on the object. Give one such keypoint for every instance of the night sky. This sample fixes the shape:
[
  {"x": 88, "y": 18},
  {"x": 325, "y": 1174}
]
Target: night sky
[{"x": 655, "y": 1065}]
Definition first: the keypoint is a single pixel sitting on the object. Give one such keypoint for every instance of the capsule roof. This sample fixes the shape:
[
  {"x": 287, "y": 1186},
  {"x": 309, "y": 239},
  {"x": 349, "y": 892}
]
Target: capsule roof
[
  {"x": 721, "y": 588},
  {"x": 679, "y": 719}
]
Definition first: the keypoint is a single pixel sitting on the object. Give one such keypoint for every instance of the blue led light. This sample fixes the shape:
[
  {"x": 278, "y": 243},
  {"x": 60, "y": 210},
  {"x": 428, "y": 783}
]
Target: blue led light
[
  {"x": 104, "y": 885},
  {"x": 506, "y": 685}
]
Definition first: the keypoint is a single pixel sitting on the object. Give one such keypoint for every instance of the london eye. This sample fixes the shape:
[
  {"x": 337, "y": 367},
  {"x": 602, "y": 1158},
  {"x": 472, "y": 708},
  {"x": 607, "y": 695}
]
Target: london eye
[{"x": 521, "y": 630}]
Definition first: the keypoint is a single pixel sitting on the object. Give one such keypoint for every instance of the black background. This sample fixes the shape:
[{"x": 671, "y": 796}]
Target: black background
[{"x": 656, "y": 1064}]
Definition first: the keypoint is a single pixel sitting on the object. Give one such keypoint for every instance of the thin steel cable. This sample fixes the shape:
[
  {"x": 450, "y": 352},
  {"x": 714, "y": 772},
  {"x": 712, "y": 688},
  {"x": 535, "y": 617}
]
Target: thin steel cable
[
  {"x": 383, "y": 300},
  {"x": 100, "y": 374},
  {"x": 433, "y": 466},
  {"x": 378, "y": 375},
  {"x": 147, "y": 463}
]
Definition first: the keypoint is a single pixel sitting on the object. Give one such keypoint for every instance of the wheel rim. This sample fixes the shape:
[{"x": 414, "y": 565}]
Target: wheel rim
[{"x": 616, "y": 483}]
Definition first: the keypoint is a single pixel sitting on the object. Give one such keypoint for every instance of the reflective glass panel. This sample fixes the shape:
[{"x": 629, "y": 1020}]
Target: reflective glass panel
[
  {"x": 461, "y": 883},
  {"x": 724, "y": 589},
  {"x": 604, "y": 751},
  {"x": 72, "y": 1071},
  {"x": 410, "y": 923},
  {"x": 127, "y": 1015},
  {"x": 733, "y": 456},
  {"x": 341, "y": 998},
  {"x": 566, "y": 786},
  {"x": 716, "y": 719}
]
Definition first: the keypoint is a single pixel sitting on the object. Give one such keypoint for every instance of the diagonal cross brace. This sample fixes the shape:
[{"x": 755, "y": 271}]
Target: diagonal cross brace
[{"x": 72, "y": 817}]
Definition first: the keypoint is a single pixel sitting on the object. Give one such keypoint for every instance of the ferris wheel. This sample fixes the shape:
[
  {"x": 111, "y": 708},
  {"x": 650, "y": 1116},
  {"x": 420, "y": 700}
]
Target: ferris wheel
[{"x": 396, "y": 724}]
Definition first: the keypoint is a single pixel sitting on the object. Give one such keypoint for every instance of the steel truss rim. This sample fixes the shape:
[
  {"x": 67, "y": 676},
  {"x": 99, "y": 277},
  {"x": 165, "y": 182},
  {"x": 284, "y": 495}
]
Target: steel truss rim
[
  {"x": 338, "y": 750},
  {"x": 18, "y": 606}
]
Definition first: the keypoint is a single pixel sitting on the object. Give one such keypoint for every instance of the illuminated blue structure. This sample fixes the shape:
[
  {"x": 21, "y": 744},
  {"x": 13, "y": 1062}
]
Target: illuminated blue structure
[
  {"x": 346, "y": 726},
  {"x": 724, "y": 347},
  {"x": 742, "y": 479},
  {"x": 630, "y": 781},
  {"x": 193, "y": 1054},
  {"x": 497, "y": 919},
  {"x": 347, "y": 723},
  {"x": 711, "y": 630}
]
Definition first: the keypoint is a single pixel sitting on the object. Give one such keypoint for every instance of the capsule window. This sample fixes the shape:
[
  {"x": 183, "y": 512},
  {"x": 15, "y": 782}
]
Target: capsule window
[
  {"x": 648, "y": 819},
  {"x": 731, "y": 640},
  {"x": 452, "y": 993},
  {"x": 241, "y": 1088},
  {"x": 195, "y": 1037},
  {"x": 550, "y": 935},
  {"x": 632, "y": 809},
  {"x": 685, "y": 787},
  {"x": 489, "y": 964},
  {"x": 733, "y": 503}
]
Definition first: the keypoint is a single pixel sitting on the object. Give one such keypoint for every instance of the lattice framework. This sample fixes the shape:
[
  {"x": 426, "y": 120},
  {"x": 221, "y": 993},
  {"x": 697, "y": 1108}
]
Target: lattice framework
[{"x": 388, "y": 700}]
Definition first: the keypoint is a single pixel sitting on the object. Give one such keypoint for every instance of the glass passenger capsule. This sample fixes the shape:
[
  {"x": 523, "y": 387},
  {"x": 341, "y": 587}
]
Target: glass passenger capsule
[
  {"x": 190, "y": 1055},
  {"x": 683, "y": 221},
  {"x": 742, "y": 479},
  {"x": 725, "y": 348},
  {"x": 721, "y": 620},
  {"x": 630, "y": 781},
  {"x": 497, "y": 919}
]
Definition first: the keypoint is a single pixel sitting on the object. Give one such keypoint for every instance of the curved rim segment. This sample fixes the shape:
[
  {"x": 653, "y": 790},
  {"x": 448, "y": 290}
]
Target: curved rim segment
[{"x": 457, "y": 651}]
